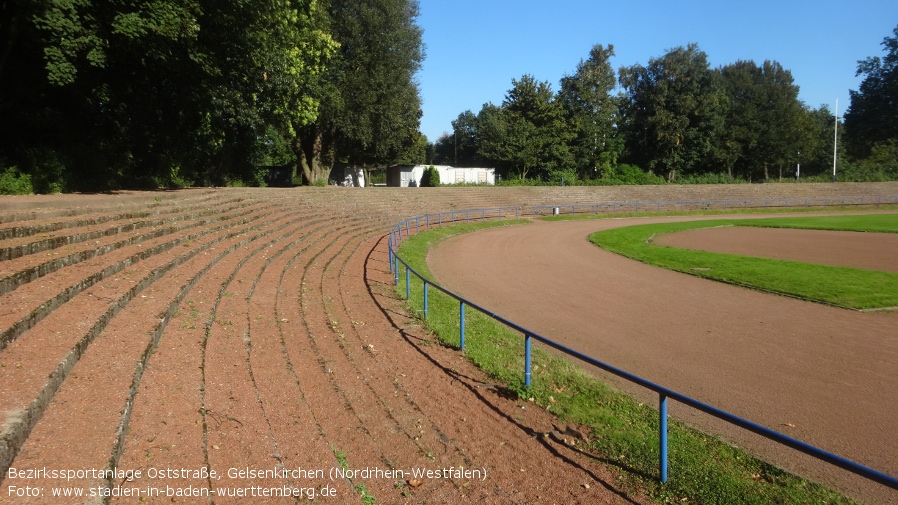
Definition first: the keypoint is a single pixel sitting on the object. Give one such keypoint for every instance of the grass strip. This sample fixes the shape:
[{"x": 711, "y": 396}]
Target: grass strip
[
  {"x": 840, "y": 286},
  {"x": 623, "y": 432}
]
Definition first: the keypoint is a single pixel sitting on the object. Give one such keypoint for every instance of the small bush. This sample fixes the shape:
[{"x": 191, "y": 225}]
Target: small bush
[
  {"x": 867, "y": 171},
  {"x": 14, "y": 183},
  {"x": 628, "y": 175},
  {"x": 430, "y": 178},
  {"x": 721, "y": 178},
  {"x": 564, "y": 178}
]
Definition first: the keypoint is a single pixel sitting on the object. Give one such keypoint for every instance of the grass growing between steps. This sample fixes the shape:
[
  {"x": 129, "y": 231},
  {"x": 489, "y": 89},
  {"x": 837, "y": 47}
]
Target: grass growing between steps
[
  {"x": 622, "y": 432},
  {"x": 840, "y": 286}
]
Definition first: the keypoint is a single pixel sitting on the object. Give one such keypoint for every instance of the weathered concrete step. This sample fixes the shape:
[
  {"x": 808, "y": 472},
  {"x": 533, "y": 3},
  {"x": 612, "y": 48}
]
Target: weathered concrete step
[{"x": 132, "y": 339}]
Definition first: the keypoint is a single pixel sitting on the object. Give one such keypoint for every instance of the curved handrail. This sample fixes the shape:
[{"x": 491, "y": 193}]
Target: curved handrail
[
  {"x": 664, "y": 393},
  {"x": 735, "y": 203}
]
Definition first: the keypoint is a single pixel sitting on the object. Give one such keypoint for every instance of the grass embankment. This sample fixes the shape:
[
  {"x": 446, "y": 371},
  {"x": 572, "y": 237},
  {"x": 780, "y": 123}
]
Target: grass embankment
[
  {"x": 623, "y": 432},
  {"x": 840, "y": 286}
]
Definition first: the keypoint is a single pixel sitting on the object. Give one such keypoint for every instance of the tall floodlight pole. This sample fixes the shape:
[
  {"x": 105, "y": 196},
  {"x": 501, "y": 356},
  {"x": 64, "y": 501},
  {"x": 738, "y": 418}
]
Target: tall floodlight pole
[{"x": 835, "y": 139}]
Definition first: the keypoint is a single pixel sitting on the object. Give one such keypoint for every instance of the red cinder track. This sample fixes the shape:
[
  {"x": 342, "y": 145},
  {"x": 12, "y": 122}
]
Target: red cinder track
[{"x": 820, "y": 374}]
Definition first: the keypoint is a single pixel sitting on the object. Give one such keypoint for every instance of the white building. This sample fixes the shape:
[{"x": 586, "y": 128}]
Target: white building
[{"x": 406, "y": 176}]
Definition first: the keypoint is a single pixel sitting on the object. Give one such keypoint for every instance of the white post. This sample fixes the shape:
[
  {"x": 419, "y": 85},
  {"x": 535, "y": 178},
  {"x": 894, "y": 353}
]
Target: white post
[{"x": 835, "y": 139}]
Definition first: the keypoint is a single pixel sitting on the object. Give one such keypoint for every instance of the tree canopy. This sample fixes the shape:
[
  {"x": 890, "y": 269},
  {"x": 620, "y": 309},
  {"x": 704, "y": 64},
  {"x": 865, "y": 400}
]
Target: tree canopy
[
  {"x": 872, "y": 118},
  {"x": 98, "y": 94},
  {"x": 678, "y": 117},
  {"x": 101, "y": 94}
]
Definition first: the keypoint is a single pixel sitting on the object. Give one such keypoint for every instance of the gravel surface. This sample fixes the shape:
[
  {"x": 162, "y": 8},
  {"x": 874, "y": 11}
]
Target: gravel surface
[{"x": 819, "y": 374}]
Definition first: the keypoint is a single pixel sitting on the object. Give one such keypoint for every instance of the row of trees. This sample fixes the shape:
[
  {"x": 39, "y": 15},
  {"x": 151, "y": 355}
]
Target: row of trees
[
  {"x": 678, "y": 118},
  {"x": 98, "y": 94}
]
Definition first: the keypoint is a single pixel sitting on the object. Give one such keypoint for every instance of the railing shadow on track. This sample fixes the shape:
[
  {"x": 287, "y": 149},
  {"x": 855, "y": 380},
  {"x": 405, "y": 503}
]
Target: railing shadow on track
[{"x": 404, "y": 229}]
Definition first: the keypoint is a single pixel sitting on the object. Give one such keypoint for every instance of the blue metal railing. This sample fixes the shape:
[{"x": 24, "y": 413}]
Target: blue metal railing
[
  {"x": 664, "y": 393},
  {"x": 686, "y": 205}
]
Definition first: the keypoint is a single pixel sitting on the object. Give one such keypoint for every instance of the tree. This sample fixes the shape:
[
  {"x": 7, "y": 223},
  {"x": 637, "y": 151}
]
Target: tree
[
  {"x": 370, "y": 107},
  {"x": 465, "y": 140},
  {"x": 872, "y": 116},
  {"x": 430, "y": 178},
  {"x": 443, "y": 150},
  {"x": 764, "y": 120},
  {"x": 528, "y": 135},
  {"x": 816, "y": 152},
  {"x": 672, "y": 112},
  {"x": 105, "y": 94},
  {"x": 591, "y": 111}
]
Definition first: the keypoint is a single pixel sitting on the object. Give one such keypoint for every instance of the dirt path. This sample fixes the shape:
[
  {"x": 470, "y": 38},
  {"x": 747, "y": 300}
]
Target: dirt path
[{"x": 819, "y": 374}]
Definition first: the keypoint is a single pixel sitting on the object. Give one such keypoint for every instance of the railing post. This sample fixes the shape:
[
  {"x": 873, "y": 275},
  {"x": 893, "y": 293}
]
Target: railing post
[
  {"x": 461, "y": 325},
  {"x": 390, "y": 251},
  {"x": 408, "y": 283},
  {"x": 396, "y": 270},
  {"x": 527, "y": 360},
  {"x": 425, "y": 299},
  {"x": 662, "y": 412}
]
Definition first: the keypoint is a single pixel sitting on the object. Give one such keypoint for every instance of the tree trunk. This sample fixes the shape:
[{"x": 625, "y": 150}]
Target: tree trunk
[{"x": 311, "y": 156}]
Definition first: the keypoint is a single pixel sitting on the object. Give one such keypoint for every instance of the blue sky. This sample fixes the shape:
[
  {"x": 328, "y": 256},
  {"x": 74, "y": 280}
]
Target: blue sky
[{"x": 474, "y": 48}]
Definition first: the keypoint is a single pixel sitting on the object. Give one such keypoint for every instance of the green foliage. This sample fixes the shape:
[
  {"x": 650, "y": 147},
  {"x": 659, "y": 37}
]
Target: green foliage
[
  {"x": 461, "y": 148},
  {"x": 377, "y": 177},
  {"x": 674, "y": 110},
  {"x": 742, "y": 122},
  {"x": 104, "y": 95},
  {"x": 628, "y": 175},
  {"x": 14, "y": 183},
  {"x": 568, "y": 177},
  {"x": 72, "y": 38},
  {"x": 871, "y": 117},
  {"x": 527, "y": 137},
  {"x": 591, "y": 110},
  {"x": 711, "y": 178},
  {"x": 868, "y": 170},
  {"x": 430, "y": 178},
  {"x": 370, "y": 104},
  {"x": 765, "y": 122},
  {"x": 434, "y": 177}
]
